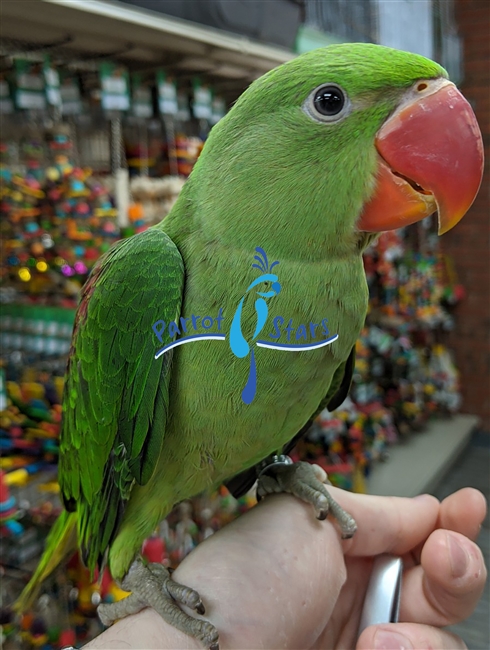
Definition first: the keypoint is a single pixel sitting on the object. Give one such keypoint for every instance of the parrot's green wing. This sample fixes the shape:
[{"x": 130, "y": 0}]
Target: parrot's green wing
[
  {"x": 337, "y": 392},
  {"x": 116, "y": 393}
]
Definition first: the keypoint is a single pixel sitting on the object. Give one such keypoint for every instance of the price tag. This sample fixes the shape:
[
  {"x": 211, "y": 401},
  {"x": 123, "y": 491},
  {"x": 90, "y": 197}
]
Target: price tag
[
  {"x": 52, "y": 79},
  {"x": 167, "y": 94},
  {"x": 202, "y": 104},
  {"x": 218, "y": 108},
  {"x": 6, "y": 103},
  {"x": 142, "y": 105},
  {"x": 29, "y": 85},
  {"x": 71, "y": 101},
  {"x": 3, "y": 390},
  {"x": 183, "y": 113},
  {"x": 115, "y": 87}
]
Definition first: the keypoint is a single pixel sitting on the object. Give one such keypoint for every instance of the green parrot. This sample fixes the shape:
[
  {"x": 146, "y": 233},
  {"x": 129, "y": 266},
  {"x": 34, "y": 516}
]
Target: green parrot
[{"x": 207, "y": 343}]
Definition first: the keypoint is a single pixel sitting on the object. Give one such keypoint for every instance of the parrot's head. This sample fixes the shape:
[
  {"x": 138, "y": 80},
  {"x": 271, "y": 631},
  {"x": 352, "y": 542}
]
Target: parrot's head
[
  {"x": 337, "y": 142},
  {"x": 267, "y": 278}
]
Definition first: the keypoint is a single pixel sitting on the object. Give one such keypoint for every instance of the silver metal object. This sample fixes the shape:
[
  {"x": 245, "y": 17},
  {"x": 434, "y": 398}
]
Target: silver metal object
[
  {"x": 277, "y": 461},
  {"x": 382, "y": 602}
]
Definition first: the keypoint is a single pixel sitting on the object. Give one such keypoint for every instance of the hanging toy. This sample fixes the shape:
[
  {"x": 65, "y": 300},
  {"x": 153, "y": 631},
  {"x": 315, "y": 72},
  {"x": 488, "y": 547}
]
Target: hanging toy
[
  {"x": 154, "y": 549},
  {"x": 9, "y": 526}
]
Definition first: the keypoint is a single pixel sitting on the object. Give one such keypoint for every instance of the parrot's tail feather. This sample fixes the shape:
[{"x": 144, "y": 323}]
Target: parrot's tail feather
[{"x": 60, "y": 543}]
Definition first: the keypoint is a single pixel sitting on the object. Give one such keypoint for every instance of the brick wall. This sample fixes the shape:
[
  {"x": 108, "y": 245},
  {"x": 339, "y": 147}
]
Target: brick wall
[{"x": 469, "y": 242}]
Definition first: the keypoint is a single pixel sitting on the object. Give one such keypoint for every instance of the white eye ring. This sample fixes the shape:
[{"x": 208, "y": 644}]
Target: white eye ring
[{"x": 327, "y": 103}]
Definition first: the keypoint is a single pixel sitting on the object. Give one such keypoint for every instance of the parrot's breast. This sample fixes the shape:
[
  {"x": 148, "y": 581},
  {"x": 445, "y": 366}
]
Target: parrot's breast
[{"x": 307, "y": 328}]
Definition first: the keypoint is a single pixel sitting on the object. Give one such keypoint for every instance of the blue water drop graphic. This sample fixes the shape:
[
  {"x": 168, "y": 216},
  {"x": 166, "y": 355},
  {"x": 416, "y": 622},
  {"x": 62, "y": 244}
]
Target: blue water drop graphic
[
  {"x": 248, "y": 392},
  {"x": 238, "y": 344}
]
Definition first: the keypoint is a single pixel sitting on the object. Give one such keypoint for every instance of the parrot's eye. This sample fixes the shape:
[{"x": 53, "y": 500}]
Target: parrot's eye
[
  {"x": 329, "y": 100},
  {"x": 327, "y": 103}
]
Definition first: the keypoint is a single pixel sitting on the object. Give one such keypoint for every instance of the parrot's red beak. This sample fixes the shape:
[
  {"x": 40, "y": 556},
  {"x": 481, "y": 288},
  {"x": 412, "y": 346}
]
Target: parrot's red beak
[{"x": 430, "y": 158}]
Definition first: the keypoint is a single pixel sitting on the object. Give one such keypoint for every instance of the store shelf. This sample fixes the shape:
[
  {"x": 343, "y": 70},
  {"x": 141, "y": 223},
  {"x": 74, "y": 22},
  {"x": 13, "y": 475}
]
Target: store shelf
[
  {"x": 417, "y": 465},
  {"x": 146, "y": 37}
]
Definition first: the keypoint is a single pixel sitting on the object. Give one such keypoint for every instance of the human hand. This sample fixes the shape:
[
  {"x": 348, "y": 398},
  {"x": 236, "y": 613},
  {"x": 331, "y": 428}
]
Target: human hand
[{"x": 278, "y": 578}]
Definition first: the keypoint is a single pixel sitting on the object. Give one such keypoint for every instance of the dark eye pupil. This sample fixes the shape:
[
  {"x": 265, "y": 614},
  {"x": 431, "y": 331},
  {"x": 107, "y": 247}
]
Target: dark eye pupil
[{"x": 329, "y": 100}]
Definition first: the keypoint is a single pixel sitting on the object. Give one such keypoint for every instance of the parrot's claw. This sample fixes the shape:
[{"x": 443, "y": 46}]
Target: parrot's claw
[
  {"x": 151, "y": 586},
  {"x": 307, "y": 482}
]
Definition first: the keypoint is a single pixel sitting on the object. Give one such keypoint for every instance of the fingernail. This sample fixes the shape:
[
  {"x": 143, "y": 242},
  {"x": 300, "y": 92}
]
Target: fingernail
[
  {"x": 390, "y": 640},
  {"x": 458, "y": 557},
  {"x": 424, "y": 497}
]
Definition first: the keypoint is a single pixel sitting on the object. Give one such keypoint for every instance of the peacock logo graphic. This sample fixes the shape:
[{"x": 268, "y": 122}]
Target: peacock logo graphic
[
  {"x": 306, "y": 336},
  {"x": 238, "y": 344}
]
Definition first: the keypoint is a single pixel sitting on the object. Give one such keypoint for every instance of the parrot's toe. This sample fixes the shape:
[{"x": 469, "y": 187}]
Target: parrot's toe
[
  {"x": 182, "y": 594},
  {"x": 151, "y": 586},
  {"x": 307, "y": 482}
]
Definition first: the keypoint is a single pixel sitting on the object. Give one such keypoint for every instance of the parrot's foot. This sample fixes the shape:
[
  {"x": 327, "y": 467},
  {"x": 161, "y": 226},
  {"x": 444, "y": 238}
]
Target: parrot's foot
[
  {"x": 307, "y": 482},
  {"x": 151, "y": 586}
]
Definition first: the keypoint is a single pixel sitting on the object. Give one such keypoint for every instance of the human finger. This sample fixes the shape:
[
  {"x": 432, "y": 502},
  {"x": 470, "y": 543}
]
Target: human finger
[
  {"x": 387, "y": 524},
  {"x": 447, "y": 585},
  {"x": 463, "y": 512},
  {"x": 408, "y": 636}
]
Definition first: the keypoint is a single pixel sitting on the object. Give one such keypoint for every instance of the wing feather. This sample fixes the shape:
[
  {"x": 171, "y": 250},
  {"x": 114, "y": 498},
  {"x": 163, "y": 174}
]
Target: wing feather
[{"x": 116, "y": 394}]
